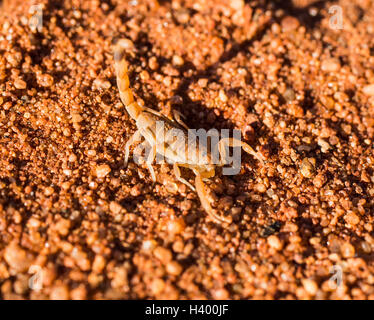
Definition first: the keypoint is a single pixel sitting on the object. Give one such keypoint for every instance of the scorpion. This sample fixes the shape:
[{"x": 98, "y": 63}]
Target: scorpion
[{"x": 146, "y": 119}]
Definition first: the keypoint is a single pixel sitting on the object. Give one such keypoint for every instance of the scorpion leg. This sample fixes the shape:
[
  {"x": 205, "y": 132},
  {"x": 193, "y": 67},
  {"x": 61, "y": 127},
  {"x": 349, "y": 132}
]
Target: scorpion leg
[
  {"x": 149, "y": 161},
  {"x": 231, "y": 142},
  {"x": 134, "y": 138},
  {"x": 150, "y": 110},
  {"x": 177, "y": 117},
  {"x": 143, "y": 147},
  {"x": 177, "y": 174},
  {"x": 201, "y": 191}
]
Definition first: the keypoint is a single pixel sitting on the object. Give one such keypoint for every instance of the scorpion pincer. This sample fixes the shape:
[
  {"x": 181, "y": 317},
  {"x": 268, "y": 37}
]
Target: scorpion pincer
[{"x": 146, "y": 122}]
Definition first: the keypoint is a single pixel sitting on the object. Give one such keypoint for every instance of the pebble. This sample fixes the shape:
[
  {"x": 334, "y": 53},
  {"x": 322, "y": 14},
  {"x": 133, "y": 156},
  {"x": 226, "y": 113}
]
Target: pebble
[
  {"x": 369, "y": 90},
  {"x": 72, "y": 157},
  {"x": 237, "y": 4},
  {"x": 65, "y": 185},
  {"x": 91, "y": 153},
  {"x": 153, "y": 64},
  {"x": 45, "y": 80},
  {"x": 352, "y": 218},
  {"x": 76, "y": 118},
  {"x": 330, "y": 65},
  {"x": 274, "y": 242},
  {"x": 289, "y": 95},
  {"x": 163, "y": 254},
  {"x": 307, "y": 167},
  {"x": 157, "y": 286},
  {"x": 102, "y": 171},
  {"x": 325, "y": 146},
  {"x": 182, "y": 16},
  {"x": 63, "y": 226},
  {"x": 289, "y": 24},
  {"x": 328, "y": 102},
  {"x": 48, "y": 191},
  {"x": 176, "y": 226},
  {"x": 66, "y": 132},
  {"x": 347, "y": 250},
  {"x": 115, "y": 207},
  {"x": 223, "y": 96},
  {"x": 319, "y": 180},
  {"x": 174, "y": 268},
  {"x": 79, "y": 293},
  {"x": 220, "y": 294},
  {"x": 310, "y": 286},
  {"x": 98, "y": 264},
  {"x": 59, "y": 292},
  {"x": 20, "y": 84},
  {"x": 149, "y": 245},
  {"x": 102, "y": 84},
  {"x": 178, "y": 60},
  {"x": 17, "y": 258}
]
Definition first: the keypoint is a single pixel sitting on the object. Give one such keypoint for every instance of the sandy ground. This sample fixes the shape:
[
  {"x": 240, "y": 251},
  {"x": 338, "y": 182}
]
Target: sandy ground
[{"x": 75, "y": 223}]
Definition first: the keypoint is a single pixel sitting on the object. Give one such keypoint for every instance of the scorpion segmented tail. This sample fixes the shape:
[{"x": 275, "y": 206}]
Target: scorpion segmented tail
[{"x": 123, "y": 82}]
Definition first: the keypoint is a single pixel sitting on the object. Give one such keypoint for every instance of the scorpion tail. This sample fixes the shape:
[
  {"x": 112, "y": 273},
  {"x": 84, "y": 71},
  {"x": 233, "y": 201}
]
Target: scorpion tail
[
  {"x": 202, "y": 193},
  {"x": 123, "y": 82}
]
